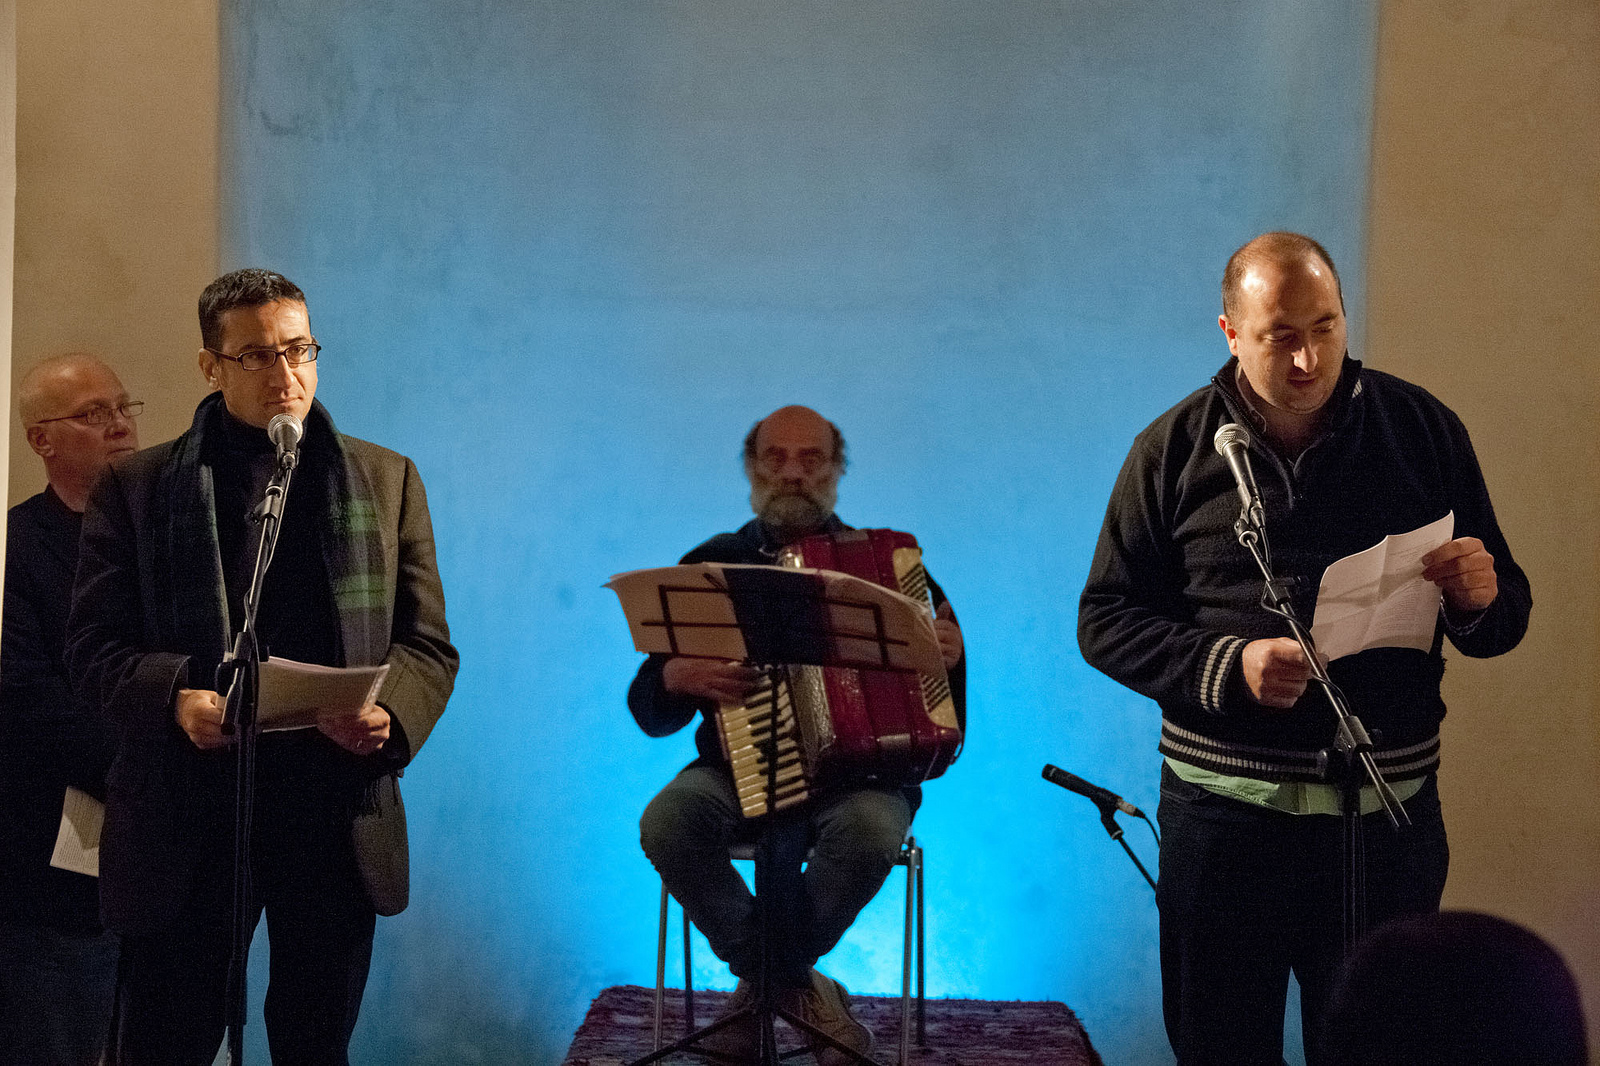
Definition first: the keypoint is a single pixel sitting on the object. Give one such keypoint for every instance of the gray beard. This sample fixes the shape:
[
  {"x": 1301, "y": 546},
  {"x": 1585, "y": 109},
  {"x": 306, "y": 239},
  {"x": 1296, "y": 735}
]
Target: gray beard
[{"x": 792, "y": 515}]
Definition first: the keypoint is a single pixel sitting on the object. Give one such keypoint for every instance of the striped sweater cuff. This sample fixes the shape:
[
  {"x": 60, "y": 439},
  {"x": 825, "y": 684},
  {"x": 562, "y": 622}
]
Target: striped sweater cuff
[{"x": 1214, "y": 671}]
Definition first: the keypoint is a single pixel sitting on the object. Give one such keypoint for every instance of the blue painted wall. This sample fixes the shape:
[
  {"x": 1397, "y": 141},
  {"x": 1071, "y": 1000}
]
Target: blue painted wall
[{"x": 563, "y": 254}]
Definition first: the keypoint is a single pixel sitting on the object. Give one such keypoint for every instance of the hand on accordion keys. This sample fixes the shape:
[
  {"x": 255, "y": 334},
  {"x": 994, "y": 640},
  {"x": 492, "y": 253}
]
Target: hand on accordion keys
[{"x": 712, "y": 679}]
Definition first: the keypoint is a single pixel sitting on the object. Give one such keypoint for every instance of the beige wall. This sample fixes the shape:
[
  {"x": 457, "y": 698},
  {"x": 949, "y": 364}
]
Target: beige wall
[
  {"x": 1484, "y": 283},
  {"x": 8, "y": 189},
  {"x": 116, "y": 198}
]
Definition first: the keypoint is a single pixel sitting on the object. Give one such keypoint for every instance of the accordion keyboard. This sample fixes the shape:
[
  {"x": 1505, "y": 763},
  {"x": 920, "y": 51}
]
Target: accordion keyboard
[{"x": 745, "y": 732}]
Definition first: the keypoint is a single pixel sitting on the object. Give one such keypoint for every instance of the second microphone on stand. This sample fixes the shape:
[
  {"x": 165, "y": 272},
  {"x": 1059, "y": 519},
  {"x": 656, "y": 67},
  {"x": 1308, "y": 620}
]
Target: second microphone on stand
[{"x": 1100, "y": 797}]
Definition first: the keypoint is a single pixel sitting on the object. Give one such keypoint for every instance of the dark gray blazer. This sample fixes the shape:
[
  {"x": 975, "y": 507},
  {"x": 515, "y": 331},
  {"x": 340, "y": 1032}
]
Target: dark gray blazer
[{"x": 127, "y": 656}]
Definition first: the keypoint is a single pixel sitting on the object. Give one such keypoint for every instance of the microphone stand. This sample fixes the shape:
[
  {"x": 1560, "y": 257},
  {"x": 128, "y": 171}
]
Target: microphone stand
[
  {"x": 1107, "y": 807},
  {"x": 239, "y": 676},
  {"x": 1352, "y": 746},
  {"x": 1108, "y": 818},
  {"x": 1351, "y": 740}
]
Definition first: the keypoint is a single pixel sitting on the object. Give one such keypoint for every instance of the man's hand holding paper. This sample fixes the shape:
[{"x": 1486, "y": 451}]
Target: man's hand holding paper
[
  {"x": 1464, "y": 571},
  {"x": 198, "y": 712},
  {"x": 362, "y": 734},
  {"x": 1388, "y": 595}
]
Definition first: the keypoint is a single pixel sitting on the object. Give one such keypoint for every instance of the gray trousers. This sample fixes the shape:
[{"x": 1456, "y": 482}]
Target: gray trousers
[{"x": 854, "y": 836}]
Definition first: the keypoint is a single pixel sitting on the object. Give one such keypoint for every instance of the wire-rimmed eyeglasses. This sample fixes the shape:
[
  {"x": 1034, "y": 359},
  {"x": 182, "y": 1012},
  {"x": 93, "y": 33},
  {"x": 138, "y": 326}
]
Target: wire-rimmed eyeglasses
[{"x": 100, "y": 414}]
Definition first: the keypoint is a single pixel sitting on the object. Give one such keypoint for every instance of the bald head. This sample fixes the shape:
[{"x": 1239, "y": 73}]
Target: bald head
[
  {"x": 53, "y": 399},
  {"x": 55, "y": 383},
  {"x": 794, "y": 458},
  {"x": 791, "y": 420},
  {"x": 1271, "y": 250}
]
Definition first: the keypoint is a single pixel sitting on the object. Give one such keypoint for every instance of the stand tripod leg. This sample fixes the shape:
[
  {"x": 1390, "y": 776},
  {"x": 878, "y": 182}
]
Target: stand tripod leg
[
  {"x": 922, "y": 932},
  {"x": 661, "y": 970}
]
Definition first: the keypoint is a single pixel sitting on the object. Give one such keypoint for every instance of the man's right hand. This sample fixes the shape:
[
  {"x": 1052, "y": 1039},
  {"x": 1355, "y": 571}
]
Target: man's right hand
[
  {"x": 710, "y": 679},
  {"x": 199, "y": 714},
  {"x": 1276, "y": 671}
]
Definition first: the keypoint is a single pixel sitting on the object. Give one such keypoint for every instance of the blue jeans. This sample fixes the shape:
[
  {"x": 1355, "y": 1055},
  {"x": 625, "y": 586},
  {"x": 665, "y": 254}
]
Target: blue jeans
[
  {"x": 854, "y": 835},
  {"x": 55, "y": 995},
  {"x": 1248, "y": 894}
]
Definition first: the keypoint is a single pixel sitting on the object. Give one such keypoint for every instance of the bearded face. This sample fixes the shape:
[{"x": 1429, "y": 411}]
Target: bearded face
[
  {"x": 793, "y": 507},
  {"x": 794, "y": 458}
]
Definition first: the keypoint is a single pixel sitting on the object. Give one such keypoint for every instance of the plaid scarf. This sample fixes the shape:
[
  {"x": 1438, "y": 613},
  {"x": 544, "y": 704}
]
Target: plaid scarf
[{"x": 352, "y": 550}]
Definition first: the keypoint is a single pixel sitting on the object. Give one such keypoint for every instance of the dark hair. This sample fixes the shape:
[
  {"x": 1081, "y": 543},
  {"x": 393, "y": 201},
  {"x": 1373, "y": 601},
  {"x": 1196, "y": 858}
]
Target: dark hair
[
  {"x": 250, "y": 287},
  {"x": 749, "y": 452},
  {"x": 1454, "y": 988},
  {"x": 1277, "y": 246}
]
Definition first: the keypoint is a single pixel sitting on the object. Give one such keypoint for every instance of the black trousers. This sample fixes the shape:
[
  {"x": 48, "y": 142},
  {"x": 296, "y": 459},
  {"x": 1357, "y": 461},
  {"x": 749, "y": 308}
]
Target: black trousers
[
  {"x": 319, "y": 929},
  {"x": 1248, "y": 894}
]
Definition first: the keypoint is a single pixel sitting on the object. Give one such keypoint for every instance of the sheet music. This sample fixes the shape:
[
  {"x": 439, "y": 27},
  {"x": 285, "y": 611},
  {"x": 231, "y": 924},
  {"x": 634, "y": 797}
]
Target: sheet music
[
  {"x": 694, "y": 610},
  {"x": 1378, "y": 598},
  {"x": 78, "y": 840},
  {"x": 293, "y": 693}
]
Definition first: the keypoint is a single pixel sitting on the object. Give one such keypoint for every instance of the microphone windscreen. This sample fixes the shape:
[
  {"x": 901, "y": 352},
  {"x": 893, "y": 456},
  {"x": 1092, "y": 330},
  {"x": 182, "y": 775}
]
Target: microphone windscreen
[
  {"x": 1230, "y": 434},
  {"x": 284, "y": 431}
]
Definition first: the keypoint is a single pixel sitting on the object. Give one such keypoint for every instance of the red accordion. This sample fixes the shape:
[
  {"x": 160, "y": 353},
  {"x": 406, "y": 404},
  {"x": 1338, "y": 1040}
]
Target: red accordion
[{"x": 839, "y": 724}]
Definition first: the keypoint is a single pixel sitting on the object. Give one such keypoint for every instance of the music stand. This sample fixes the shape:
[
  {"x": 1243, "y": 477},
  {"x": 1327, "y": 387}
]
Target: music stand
[{"x": 774, "y": 617}]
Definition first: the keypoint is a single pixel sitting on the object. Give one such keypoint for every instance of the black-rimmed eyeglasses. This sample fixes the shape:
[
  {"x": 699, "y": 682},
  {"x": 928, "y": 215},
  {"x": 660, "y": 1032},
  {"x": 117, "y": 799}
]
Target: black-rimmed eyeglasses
[
  {"x": 263, "y": 358},
  {"x": 99, "y": 416}
]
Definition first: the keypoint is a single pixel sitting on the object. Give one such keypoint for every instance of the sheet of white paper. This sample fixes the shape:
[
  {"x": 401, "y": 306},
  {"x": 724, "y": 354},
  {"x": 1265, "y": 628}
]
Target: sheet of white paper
[
  {"x": 1378, "y": 598},
  {"x": 78, "y": 840},
  {"x": 294, "y": 693}
]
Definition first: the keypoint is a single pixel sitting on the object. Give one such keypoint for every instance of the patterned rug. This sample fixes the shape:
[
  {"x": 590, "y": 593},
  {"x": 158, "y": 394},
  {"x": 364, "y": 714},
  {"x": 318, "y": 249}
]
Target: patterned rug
[{"x": 960, "y": 1032}]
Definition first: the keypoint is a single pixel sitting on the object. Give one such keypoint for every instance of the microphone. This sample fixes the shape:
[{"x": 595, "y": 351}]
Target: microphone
[
  {"x": 1233, "y": 444},
  {"x": 1100, "y": 797},
  {"x": 285, "y": 432}
]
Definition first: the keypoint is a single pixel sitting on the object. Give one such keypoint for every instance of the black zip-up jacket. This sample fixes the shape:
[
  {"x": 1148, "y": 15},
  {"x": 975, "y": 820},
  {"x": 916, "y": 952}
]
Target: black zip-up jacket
[{"x": 1172, "y": 598}]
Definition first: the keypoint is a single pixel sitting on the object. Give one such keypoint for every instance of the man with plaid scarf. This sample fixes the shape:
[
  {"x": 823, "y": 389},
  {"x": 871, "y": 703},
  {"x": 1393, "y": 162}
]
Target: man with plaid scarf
[{"x": 165, "y": 563}]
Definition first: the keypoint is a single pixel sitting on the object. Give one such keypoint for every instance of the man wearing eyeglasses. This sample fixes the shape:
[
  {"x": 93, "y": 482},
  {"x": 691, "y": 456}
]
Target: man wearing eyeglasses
[
  {"x": 793, "y": 458},
  {"x": 166, "y": 561},
  {"x": 57, "y": 964}
]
